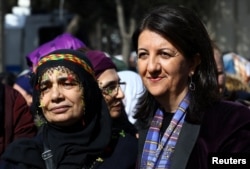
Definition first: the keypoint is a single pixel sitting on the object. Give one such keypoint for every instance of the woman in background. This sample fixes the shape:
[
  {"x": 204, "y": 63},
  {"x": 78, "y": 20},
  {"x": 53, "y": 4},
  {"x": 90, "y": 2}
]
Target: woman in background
[{"x": 124, "y": 144}]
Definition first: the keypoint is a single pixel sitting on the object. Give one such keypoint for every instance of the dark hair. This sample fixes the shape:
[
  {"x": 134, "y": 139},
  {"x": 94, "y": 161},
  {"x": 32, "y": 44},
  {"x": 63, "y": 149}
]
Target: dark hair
[
  {"x": 187, "y": 33},
  {"x": 92, "y": 94}
]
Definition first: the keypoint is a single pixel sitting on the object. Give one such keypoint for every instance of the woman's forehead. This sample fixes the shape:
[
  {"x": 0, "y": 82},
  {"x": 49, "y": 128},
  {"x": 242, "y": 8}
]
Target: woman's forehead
[
  {"x": 107, "y": 76},
  {"x": 57, "y": 71}
]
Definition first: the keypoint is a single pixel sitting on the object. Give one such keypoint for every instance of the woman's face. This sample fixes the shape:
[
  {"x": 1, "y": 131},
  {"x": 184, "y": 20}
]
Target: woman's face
[
  {"x": 61, "y": 97},
  {"x": 109, "y": 81},
  {"x": 163, "y": 68}
]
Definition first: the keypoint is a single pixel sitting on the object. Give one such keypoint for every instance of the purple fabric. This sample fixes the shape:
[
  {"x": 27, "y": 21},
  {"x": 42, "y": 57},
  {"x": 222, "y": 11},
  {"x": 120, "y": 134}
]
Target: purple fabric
[
  {"x": 100, "y": 62},
  {"x": 63, "y": 41},
  {"x": 225, "y": 128}
]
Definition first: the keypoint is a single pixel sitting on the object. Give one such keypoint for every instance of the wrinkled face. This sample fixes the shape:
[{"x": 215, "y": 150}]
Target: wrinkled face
[
  {"x": 61, "y": 96},
  {"x": 163, "y": 68},
  {"x": 109, "y": 83}
]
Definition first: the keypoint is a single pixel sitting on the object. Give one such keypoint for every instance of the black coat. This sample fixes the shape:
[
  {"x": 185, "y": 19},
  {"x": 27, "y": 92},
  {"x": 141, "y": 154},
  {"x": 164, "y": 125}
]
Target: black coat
[{"x": 225, "y": 128}]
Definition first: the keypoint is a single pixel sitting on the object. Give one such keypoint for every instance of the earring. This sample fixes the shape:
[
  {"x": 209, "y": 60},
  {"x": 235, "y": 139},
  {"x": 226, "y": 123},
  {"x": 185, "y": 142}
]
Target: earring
[{"x": 191, "y": 84}]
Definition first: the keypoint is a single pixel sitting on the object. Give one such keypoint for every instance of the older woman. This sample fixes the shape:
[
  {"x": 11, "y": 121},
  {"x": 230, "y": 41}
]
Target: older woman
[
  {"x": 181, "y": 116},
  {"x": 77, "y": 124}
]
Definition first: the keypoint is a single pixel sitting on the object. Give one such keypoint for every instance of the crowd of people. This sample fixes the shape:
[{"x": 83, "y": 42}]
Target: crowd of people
[{"x": 74, "y": 109}]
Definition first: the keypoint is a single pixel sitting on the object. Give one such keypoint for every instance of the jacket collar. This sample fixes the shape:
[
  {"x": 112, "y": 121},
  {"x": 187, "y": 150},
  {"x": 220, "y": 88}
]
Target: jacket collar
[{"x": 184, "y": 145}]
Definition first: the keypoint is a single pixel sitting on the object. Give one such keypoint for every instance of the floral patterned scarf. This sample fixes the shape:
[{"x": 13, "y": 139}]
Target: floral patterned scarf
[{"x": 157, "y": 151}]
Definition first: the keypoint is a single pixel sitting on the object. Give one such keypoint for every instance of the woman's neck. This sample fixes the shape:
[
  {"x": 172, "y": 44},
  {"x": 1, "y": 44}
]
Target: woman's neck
[{"x": 170, "y": 102}]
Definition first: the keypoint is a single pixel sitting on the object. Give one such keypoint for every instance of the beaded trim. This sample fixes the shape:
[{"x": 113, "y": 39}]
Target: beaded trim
[{"x": 68, "y": 57}]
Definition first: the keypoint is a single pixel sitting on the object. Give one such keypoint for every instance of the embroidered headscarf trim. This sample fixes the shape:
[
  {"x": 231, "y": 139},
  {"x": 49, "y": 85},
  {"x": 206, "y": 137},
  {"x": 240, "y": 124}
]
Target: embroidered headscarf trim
[{"x": 68, "y": 57}]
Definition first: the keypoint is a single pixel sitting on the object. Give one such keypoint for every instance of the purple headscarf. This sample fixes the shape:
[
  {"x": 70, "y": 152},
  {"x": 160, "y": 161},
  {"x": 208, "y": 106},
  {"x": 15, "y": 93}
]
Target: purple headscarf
[
  {"x": 63, "y": 41},
  {"x": 100, "y": 61}
]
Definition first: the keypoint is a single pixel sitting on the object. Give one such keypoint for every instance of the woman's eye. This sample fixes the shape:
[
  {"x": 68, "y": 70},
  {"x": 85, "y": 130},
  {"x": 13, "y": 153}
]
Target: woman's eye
[
  {"x": 165, "y": 54},
  {"x": 68, "y": 85},
  {"x": 110, "y": 89},
  {"x": 142, "y": 55},
  {"x": 44, "y": 88}
]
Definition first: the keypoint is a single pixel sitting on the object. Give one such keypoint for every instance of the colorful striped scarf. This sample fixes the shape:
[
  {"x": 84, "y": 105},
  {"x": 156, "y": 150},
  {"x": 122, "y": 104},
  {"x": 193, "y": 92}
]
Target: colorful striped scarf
[
  {"x": 157, "y": 151},
  {"x": 67, "y": 57}
]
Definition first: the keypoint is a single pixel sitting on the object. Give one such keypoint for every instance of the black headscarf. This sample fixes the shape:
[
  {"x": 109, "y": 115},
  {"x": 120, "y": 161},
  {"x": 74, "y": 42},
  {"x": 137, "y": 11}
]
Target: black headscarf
[{"x": 72, "y": 146}]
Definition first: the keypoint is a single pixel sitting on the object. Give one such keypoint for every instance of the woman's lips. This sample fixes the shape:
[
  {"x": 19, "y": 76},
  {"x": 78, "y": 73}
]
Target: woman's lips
[
  {"x": 59, "y": 109},
  {"x": 154, "y": 79},
  {"x": 117, "y": 106}
]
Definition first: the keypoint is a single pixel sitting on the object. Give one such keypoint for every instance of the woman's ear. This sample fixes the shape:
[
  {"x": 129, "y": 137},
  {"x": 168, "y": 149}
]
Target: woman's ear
[{"x": 195, "y": 61}]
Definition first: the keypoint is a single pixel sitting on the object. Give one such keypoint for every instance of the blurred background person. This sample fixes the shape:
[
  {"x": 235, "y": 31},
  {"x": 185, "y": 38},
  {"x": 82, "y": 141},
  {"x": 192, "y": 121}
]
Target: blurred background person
[
  {"x": 16, "y": 120},
  {"x": 133, "y": 89},
  {"x": 22, "y": 85},
  {"x": 132, "y": 61},
  {"x": 124, "y": 143},
  {"x": 8, "y": 78},
  {"x": 236, "y": 90},
  {"x": 221, "y": 74},
  {"x": 231, "y": 86}
]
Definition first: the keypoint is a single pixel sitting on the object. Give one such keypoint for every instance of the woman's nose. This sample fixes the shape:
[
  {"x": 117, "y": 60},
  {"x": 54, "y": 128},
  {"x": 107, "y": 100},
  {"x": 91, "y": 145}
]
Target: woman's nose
[
  {"x": 56, "y": 92},
  {"x": 120, "y": 93},
  {"x": 153, "y": 64}
]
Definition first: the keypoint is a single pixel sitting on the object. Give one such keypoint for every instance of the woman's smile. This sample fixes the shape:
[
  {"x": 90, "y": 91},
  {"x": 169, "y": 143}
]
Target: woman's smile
[{"x": 155, "y": 79}]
